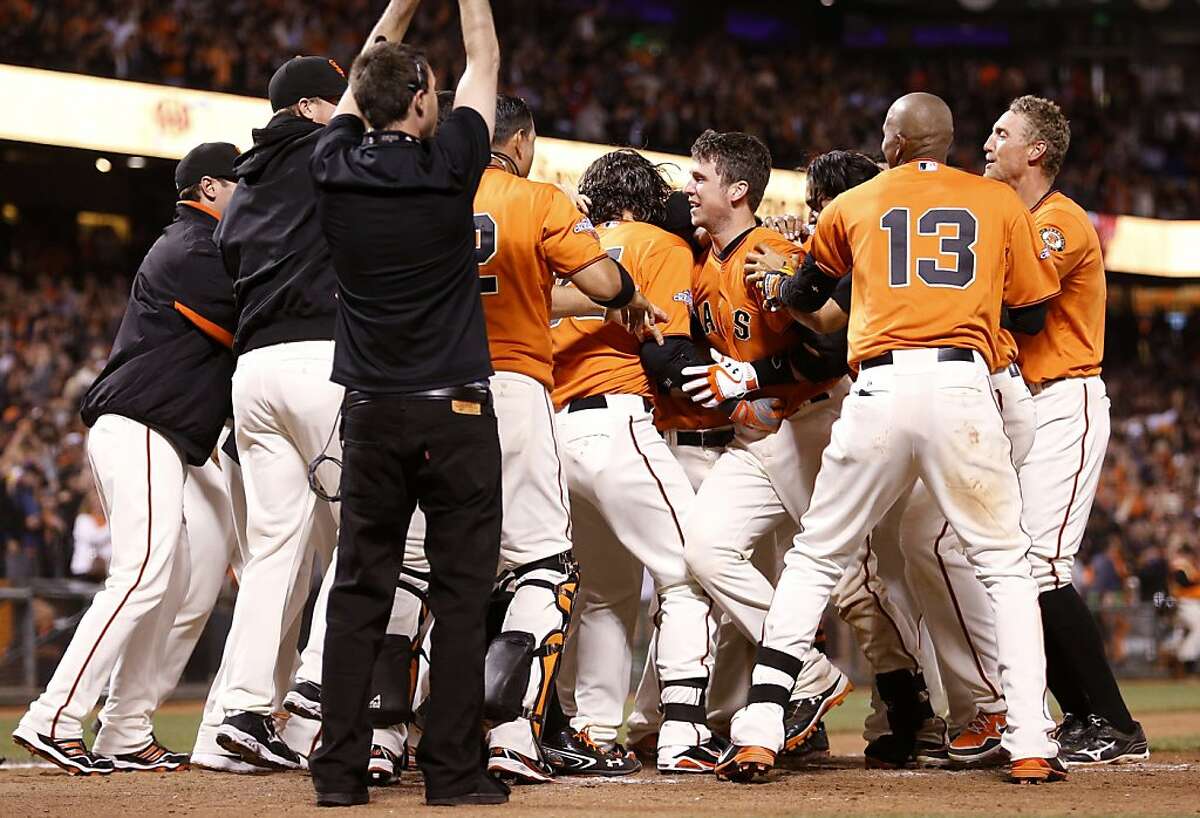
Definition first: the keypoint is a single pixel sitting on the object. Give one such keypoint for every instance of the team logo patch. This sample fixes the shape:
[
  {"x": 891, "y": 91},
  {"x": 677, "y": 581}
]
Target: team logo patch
[
  {"x": 337, "y": 68},
  {"x": 927, "y": 166},
  {"x": 683, "y": 297},
  {"x": 584, "y": 225},
  {"x": 1053, "y": 238}
]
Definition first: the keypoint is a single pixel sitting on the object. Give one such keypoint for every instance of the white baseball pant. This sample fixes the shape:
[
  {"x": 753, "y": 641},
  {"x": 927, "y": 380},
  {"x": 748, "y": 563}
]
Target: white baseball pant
[
  {"x": 620, "y": 470},
  {"x": 140, "y": 478},
  {"x": 1061, "y": 473},
  {"x": 285, "y": 411},
  {"x": 935, "y": 420}
]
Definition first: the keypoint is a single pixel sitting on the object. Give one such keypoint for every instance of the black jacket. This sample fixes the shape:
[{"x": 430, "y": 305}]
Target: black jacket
[
  {"x": 284, "y": 283},
  {"x": 170, "y": 366}
]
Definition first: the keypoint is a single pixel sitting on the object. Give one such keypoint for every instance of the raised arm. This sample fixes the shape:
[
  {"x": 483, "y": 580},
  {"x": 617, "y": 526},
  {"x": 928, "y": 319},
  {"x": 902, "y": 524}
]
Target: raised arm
[
  {"x": 477, "y": 88},
  {"x": 392, "y": 25}
]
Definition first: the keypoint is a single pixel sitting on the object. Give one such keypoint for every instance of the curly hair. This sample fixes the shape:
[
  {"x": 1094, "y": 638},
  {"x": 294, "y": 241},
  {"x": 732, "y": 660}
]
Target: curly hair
[
  {"x": 1047, "y": 123},
  {"x": 836, "y": 172},
  {"x": 624, "y": 180}
]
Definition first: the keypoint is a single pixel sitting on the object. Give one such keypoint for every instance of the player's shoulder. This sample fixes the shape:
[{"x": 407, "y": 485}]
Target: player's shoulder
[
  {"x": 1061, "y": 221},
  {"x": 762, "y": 235}
]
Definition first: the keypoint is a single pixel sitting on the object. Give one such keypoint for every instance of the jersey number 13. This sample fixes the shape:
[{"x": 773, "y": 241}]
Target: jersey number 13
[{"x": 960, "y": 246}]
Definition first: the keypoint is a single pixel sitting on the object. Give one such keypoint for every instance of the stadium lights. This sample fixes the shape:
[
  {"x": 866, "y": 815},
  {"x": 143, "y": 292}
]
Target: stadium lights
[{"x": 103, "y": 165}]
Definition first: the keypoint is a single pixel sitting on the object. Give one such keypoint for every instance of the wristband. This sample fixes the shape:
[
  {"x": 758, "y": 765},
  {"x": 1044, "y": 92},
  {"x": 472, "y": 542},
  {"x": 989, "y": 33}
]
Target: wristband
[{"x": 625, "y": 295}]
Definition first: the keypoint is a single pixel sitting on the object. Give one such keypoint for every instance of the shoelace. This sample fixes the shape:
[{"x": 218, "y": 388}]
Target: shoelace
[
  {"x": 980, "y": 724},
  {"x": 586, "y": 739}
]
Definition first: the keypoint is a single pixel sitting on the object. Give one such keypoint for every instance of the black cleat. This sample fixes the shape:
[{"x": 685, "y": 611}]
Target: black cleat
[
  {"x": 812, "y": 749},
  {"x": 1102, "y": 743},
  {"x": 152, "y": 758},
  {"x": 571, "y": 752},
  {"x": 252, "y": 736},
  {"x": 803, "y": 715},
  {"x": 1070, "y": 733},
  {"x": 697, "y": 758},
  {"x": 71, "y": 754},
  {"x": 745, "y": 764},
  {"x": 383, "y": 769},
  {"x": 304, "y": 700}
]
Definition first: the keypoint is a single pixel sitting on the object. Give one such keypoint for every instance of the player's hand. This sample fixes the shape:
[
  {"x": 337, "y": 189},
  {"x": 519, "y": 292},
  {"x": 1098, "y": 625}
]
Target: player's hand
[
  {"x": 792, "y": 227},
  {"x": 762, "y": 260},
  {"x": 764, "y": 415},
  {"x": 582, "y": 203},
  {"x": 641, "y": 318},
  {"x": 727, "y": 379}
]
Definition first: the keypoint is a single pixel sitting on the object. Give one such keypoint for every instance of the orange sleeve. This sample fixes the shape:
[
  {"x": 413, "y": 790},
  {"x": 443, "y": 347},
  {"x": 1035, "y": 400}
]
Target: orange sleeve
[
  {"x": 830, "y": 245},
  {"x": 569, "y": 240},
  {"x": 217, "y": 333},
  {"x": 1064, "y": 237},
  {"x": 1031, "y": 277},
  {"x": 667, "y": 270}
]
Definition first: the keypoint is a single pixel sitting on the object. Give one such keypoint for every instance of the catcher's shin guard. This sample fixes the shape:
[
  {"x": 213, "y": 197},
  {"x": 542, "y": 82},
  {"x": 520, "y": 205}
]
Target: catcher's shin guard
[
  {"x": 394, "y": 677},
  {"x": 540, "y": 610}
]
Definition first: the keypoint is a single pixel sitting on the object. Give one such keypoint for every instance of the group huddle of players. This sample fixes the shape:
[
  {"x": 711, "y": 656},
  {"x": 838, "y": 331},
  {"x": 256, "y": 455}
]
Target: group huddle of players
[{"x": 893, "y": 405}]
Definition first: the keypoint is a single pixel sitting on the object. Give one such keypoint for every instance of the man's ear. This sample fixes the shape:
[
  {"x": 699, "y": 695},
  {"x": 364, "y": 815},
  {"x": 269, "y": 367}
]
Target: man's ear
[
  {"x": 419, "y": 101},
  {"x": 1037, "y": 150},
  {"x": 738, "y": 191}
]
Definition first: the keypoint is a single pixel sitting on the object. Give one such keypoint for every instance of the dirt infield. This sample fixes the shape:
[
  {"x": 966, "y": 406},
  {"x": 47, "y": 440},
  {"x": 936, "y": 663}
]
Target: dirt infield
[{"x": 1169, "y": 784}]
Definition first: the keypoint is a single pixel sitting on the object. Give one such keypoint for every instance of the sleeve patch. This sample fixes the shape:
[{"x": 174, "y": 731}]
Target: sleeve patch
[
  {"x": 1053, "y": 238},
  {"x": 584, "y": 225}
]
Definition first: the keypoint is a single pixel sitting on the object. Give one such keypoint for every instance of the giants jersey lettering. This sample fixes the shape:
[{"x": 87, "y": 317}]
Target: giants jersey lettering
[
  {"x": 1071, "y": 345},
  {"x": 934, "y": 253},
  {"x": 734, "y": 320},
  {"x": 592, "y": 357},
  {"x": 525, "y": 233}
]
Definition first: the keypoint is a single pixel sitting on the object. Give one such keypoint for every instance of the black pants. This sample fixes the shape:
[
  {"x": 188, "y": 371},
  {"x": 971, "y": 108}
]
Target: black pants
[{"x": 397, "y": 452}]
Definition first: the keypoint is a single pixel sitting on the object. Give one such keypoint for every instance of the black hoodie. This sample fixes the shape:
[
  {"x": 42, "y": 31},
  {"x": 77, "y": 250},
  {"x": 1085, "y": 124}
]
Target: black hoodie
[{"x": 284, "y": 283}]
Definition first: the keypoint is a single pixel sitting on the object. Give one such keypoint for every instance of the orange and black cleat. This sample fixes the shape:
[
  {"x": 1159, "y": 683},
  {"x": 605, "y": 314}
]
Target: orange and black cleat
[
  {"x": 1037, "y": 771},
  {"x": 745, "y": 764}
]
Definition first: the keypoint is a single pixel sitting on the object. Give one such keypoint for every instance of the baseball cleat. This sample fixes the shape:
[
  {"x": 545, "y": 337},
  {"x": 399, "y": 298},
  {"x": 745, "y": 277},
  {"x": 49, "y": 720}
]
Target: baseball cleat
[
  {"x": 932, "y": 754},
  {"x": 509, "y": 765},
  {"x": 1037, "y": 770},
  {"x": 804, "y": 715},
  {"x": 979, "y": 743},
  {"x": 304, "y": 700},
  {"x": 225, "y": 763},
  {"x": 1102, "y": 743},
  {"x": 572, "y": 752},
  {"x": 646, "y": 748},
  {"x": 696, "y": 758},
  {"x": 252, "y": 736},
  {"x": 153, "y": 758},
  {"x": 812, "y": 749},
  {"x": 70, "y": 754},
  {"x": 889, "y": 752},
  {"x": 1070, "y": 732},
  {"x": 745, "y": 764},
  {"x": 383, "y": 769}
]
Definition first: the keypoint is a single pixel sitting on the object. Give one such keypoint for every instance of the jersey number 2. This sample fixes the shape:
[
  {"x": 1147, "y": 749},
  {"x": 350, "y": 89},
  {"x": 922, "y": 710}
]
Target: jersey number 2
[
  {"x": 961, "y": 246},
  {"x": 485, "y": 251}
]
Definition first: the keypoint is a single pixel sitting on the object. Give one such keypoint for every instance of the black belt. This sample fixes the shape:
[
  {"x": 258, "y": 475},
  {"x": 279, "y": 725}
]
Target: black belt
[
  {"x": 944, "y": 354},
  {"x": 704, "y": 438},
  {"x": 1012, "y": 369},
  {"x": 473, "y": 393},
  {"x": 600, "y": 402}
]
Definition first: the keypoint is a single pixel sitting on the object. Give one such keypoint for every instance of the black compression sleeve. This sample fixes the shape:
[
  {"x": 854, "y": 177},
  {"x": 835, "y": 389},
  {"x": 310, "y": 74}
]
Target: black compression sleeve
[
  {"x": 664, "y": 364},
  {"x": 808, "y": 289},
  {"x": 622, "y": 298},
  {"x": 1025, "y": 320},
  {"x": 774, "y": 370}
]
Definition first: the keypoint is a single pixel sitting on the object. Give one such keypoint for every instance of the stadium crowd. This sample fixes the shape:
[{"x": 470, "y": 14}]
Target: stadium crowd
[{"x": 1136, "y": 135}]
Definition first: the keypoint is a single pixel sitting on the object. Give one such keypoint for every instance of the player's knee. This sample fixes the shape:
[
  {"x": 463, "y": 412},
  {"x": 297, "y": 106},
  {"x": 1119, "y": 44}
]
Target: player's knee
[{"x": 703, "y": 561}]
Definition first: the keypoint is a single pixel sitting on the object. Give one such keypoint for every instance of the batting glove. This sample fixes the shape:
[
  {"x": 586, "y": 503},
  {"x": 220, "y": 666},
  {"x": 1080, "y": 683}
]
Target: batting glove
[
  {"x": 727, "y": 379},
  {"x": 761, "y": 415}
]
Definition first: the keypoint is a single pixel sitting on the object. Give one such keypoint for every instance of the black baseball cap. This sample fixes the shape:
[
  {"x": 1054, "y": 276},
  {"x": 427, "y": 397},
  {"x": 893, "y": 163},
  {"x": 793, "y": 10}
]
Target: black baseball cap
[
  {"x": 304, "y": 78},
  {"x": 213, "y": 159}
]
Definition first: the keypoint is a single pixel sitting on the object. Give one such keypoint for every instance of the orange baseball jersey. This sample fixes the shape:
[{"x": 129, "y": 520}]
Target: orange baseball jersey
[
  {"x": 733, "y": 318},
  {"x": 1071, "y": 345},
  {"x": 934, "y": 252},
  {"x": 592, "y": 357},
  {"x": 526, "y": 233}
]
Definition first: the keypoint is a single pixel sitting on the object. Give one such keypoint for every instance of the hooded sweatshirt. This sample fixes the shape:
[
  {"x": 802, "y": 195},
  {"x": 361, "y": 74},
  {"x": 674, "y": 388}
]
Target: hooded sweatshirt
[{"x": 272, "y": 244}]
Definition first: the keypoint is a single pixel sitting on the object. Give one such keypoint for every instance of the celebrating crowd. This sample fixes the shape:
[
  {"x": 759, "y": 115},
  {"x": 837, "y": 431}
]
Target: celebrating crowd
[{"x": 597, "y": 74}]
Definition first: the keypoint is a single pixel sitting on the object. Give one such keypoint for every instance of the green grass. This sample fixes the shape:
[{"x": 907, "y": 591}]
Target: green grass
[{"x": 176, "y": 727}]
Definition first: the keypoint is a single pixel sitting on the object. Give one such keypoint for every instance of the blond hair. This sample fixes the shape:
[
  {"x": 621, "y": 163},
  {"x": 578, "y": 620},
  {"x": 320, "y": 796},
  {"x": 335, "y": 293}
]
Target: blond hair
[{"x": 1047, "y": 123}]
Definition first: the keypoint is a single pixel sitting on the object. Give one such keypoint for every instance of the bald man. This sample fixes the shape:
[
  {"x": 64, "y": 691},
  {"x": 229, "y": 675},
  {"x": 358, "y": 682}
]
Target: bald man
[{"x": 935, "y": 253}]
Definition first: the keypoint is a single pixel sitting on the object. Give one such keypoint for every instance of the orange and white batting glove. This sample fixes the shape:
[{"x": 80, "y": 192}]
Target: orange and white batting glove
[
  {"x": 727, "y": 379},
  {"x": 761, "y": 415}
]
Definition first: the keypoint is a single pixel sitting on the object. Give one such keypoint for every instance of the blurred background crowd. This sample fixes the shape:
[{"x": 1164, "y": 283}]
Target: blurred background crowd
[{"x": 655, "y": 74}]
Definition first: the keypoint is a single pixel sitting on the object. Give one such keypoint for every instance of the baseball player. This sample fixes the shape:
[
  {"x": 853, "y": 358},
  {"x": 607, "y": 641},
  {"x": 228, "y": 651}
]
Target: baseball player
[
  {"x": 157, "y": 407},
  {"x": 285, "y": 407},
  {"x": 625, "y": 485},
  {"x": 1060, "y": 475},
  {"x": 925, "y": 341},
  {"x": 762, "y": 481}
]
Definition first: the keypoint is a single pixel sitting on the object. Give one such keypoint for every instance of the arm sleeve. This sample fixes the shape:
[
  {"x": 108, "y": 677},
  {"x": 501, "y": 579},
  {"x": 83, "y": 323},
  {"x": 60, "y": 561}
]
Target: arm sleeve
[
  {"x": 830, "y": 245},
  {"x": 1025, "y": 320},
  {"x": 569, "y": 241},
  {"x": 665, "y": 276},
  {"x": 664, "y": 364},
  {"x": 843, "y": 293},
  {"x": 204, "y": 293},
  {"x": 328, "y": 164},
  {"x": 809, "y": 288},
  {"x": 1062, "y": 236},
  {"x": 463, "y": 140},
  {"x": 1031, "y": 277}
]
